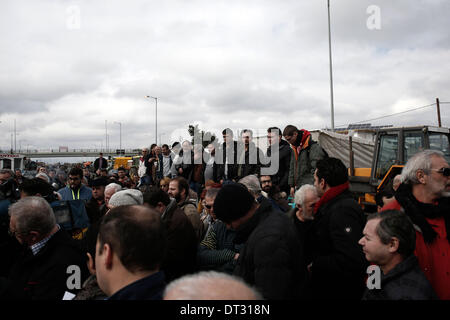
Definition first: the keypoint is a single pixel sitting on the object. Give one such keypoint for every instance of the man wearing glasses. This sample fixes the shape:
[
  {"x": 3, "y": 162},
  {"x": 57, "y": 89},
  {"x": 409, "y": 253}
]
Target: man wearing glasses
[
  {"x": 40, "y": 270},
  {"x": 424, "y": 196},
  {"x": 75, "y": 190}
]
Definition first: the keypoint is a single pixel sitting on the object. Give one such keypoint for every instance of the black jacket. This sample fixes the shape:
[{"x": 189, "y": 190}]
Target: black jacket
[
  {"x": 222, "y": 155},
  {"x": 405, "y": 282},
  {"x": 95, "y": 211},
  {"x": 97, "y": 164},
  {"x": 284, "y": 159},
  {"x": 215, "y": 167},
  {"x": 150, "y": 167},
  {"x": 148, "y": 288},
  {"x": 304, "y": 232},
  {"x": 248, "y": 162},
  {"x": 181, "y": 243},
  {"x": 45, "y": 276},
  {"x": 272, "y": 258},
  {"x": 186, "y": 162},
  {"x": 339, "y": 265}
]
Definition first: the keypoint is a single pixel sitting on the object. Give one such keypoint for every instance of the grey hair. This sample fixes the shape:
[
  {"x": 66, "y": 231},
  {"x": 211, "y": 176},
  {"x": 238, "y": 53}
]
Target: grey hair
[
  {"x": 252, "y": 184},
  {"x": 115, "y": 186},
  {"x": 41, "y": 174},
  {"x": 420, "y": 161},
  {"x": 33, "y": 214},
  {"x": 300, "y": 194},
  {"x": 212, "y": 193},
  {"x": 210, "y": 285}
]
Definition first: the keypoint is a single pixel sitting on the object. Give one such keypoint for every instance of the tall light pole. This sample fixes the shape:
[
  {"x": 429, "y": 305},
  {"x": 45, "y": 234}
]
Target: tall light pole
[
  {"x": 120, "y": 128},
  {"x": 331, "y": 69},
  {"x": 106, "y": 135},
  {"x": 15, "y": 136},
  {"x": 156, "y": 117}
]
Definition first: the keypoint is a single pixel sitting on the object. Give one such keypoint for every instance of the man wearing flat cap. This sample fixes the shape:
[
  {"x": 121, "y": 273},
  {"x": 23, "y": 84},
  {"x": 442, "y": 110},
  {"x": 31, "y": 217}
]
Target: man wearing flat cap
[
  {"x": 272, "y": 257},
  {"x": 128, "y": 197}
]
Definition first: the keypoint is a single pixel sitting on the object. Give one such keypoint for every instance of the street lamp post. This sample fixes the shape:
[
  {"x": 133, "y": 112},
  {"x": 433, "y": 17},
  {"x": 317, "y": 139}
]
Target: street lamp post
[
  {"x": 120, "y": 128},
  {"x": 156, "y": 117},
  {"x": 331, "y": 69},
  {"x": 106, "y": 135}
]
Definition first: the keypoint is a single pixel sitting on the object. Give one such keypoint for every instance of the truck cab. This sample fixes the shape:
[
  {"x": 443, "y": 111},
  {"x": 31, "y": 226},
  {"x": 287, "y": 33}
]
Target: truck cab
[{"x": 393, "y": 148}]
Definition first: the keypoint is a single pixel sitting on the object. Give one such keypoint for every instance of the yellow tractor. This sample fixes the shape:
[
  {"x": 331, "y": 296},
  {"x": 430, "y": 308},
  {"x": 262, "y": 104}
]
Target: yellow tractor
[
  {"x": 389, "y": 150},
  {"x": 125, "y": 162}
]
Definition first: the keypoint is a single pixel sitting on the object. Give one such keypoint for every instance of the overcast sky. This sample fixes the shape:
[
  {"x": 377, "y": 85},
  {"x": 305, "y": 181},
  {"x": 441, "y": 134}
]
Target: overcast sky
[{"x": 67, "y": 66}]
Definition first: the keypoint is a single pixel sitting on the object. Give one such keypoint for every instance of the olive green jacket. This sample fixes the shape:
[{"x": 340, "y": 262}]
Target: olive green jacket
[{"x": 301, "y": 170}]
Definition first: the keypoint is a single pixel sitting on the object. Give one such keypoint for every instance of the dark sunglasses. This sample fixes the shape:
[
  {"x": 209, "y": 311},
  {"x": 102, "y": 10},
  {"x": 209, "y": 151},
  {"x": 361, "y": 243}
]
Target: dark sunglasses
[{"x": 444, "y": 171}]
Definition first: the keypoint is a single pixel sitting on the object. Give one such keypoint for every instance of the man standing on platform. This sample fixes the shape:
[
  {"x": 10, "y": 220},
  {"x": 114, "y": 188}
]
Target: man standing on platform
[{"x": 100, "y": 163}]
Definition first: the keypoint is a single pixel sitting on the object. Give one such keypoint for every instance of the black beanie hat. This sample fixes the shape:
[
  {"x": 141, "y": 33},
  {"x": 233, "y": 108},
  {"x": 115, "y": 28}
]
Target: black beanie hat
[{"x": 232, "y": 202}]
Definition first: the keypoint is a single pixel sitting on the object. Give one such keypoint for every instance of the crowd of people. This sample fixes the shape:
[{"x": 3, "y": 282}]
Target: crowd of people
[{"x": 194, "y": 222}]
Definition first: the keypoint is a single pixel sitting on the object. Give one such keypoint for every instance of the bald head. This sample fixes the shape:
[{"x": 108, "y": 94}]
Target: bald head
[{"x": 210, "y": 285}]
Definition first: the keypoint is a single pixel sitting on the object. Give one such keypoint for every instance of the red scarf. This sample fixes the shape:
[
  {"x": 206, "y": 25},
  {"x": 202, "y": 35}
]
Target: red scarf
[
  {"x": 304, "y": 142},
  {"x": 332, "y": 193}
]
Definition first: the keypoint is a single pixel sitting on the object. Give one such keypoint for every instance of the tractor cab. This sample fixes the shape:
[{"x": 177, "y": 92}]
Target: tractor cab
[{"x": 395, "y": 146}]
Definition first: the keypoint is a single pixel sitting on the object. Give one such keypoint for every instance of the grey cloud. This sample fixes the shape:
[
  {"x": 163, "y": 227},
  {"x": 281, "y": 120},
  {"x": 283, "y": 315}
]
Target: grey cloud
[{"x": 221, "y": 63}]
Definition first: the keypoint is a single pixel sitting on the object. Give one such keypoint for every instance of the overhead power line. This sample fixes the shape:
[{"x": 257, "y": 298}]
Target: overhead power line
[{"x": 394, "y": 114}]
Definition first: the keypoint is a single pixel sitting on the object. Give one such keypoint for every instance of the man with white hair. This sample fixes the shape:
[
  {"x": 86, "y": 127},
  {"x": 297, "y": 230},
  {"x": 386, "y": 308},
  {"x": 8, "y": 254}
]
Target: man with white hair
[
  {"x": 41, "y": 271},
  {"x": 305, "y": 199},
  {"x": 110, "y": 189},
  {"x": 424, "y": 197},
  {"x": 210, "y": 285},
  {"x": 302, "y": 217}
]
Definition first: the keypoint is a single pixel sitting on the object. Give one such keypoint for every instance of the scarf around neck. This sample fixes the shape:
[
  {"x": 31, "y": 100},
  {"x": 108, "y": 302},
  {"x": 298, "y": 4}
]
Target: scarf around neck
[
  {"x": 332, "y": 193},
  {"x": 418, "y": 212}
]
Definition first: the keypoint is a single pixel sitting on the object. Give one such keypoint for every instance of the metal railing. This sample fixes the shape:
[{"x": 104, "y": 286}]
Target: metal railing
[{"x": 31, "y": 151}]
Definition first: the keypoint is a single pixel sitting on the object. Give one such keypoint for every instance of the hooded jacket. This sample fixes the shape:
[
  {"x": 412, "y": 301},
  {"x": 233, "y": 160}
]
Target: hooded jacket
[{"x": 304, "y": 158}]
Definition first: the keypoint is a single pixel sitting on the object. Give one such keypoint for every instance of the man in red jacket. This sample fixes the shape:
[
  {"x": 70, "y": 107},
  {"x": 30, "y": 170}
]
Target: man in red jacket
[{"x": 424, "y": 196}]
